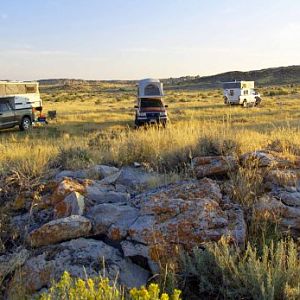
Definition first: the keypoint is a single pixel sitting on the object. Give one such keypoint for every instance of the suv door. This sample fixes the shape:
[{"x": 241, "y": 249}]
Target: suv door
[{"x": 7, "y": 115}]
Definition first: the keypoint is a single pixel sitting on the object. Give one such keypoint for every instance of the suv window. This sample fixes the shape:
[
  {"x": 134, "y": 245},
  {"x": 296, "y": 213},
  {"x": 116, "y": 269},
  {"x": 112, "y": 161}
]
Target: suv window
[
  {"x": 146, "y": 102},
  {"x": 4, "y": 106}
]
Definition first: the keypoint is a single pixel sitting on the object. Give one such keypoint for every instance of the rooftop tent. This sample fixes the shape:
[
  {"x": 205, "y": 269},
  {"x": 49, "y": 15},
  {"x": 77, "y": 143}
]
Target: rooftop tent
[
  {"x": 150, "y": 88},
  {"x": 15, "y": 89}
]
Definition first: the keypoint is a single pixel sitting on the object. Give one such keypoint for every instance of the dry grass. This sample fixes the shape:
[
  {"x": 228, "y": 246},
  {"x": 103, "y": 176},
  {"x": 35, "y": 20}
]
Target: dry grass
[{"x": 100, "y": 123}]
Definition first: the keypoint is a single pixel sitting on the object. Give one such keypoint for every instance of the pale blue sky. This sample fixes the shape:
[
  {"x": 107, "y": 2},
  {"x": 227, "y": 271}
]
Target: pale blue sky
[{"x": 132, "y": 39}]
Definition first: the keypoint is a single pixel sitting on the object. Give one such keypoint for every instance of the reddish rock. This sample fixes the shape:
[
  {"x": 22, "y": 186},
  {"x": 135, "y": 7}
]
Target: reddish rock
[
  {"x": 65, "y": 187},
  {"x": 60, "y": 230},
  {"x": 73, "y": 204},
  {"x": 213, "y": 165}
]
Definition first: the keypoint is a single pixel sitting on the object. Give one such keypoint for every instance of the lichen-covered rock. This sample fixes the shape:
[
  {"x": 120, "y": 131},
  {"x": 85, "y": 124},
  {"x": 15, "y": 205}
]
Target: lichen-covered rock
[
  {"x": 73, "y": 204},
  {"x": 185, "y": 214},
  {"x": 60, "y": 230},
  {"x": 213, "y": 165},
  {"x": 104, "y": 171},
  {"x": 81, "y": 258}
]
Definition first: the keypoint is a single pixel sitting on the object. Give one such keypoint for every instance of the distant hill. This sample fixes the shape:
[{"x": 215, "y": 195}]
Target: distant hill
[{"x": 264, "y": 77}]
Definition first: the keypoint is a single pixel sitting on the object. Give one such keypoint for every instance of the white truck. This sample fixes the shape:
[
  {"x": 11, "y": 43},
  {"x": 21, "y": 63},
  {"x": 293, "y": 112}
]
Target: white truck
[
  {"x": 241, "y": 92},
  {"x": 18, "y": 103}
]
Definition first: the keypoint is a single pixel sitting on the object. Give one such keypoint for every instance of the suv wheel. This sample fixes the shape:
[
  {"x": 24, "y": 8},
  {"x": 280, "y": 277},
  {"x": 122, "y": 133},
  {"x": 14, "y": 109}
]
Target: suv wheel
[{"x": 25, "y": 124}]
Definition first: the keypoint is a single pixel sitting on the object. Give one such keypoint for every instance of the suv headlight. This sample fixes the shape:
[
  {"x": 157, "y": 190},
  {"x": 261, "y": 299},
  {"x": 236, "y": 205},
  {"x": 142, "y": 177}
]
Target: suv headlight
[
  {"x": 163, "y": 114},
  {"x": 142, "y": 115}
]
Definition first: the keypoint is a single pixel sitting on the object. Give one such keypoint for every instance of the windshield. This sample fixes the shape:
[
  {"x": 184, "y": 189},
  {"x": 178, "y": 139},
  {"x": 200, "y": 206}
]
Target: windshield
[{"x": 151, "y": 103}]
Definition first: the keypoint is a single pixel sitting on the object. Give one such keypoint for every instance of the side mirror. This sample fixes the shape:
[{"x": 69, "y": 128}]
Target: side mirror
[
  {"x": 136, "y": 106},
  {"x": 166, "y": 106}
]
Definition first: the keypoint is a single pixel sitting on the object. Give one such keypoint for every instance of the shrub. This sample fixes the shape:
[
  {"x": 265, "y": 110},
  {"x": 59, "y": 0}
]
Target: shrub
[
  {"x": 72, "y": 158},
  {"x": 100, "y": 288},
  {"x": 233, "y": 274}
]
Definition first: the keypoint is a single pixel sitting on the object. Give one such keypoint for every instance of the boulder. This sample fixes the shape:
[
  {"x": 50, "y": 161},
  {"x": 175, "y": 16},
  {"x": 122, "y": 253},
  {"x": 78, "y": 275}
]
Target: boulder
[
  {"x": 60, "y": 230},
  {"x": 73, "y": 204},
  {"x": 213, "y": 165},
  {"x": 81, "y": 258},
  {"x": 112, "y": 220}
]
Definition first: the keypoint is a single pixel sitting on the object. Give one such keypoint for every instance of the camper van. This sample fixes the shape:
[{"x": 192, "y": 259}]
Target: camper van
[
  {"x": 18, "y": 103},
  {"x": 150, "y": 107},
  {"x": 241, "y": 92}
]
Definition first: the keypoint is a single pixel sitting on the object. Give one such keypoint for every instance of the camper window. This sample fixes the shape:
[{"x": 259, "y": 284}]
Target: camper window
[
  {"x": 231, "y": 92},
  {"x": 4, "y": 106},
  {"x": 246, "y": 92},
  {"x": 152, "y": 90}
]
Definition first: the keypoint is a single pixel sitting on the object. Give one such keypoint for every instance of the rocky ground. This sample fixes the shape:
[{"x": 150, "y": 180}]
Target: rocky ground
[{"x": 117, "y": 224}]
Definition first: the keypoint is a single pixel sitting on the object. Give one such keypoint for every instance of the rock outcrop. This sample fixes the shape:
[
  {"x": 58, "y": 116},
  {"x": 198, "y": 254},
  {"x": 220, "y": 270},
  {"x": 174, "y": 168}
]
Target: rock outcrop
[{"x": 122, "y": 217}]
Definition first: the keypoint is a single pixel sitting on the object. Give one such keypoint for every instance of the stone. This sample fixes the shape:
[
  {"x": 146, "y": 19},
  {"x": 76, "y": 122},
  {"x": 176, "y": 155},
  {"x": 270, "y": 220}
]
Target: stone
[
  {"x": 64, "y": 188},
  {"x": 10, "y": 262},
  {"x": 112, "y": 220},
  {"x": 60, "y": 230},
  {"x": 213, "y": 165},
  {"x": 81, "y": 174},
  {"x": 81, "y": 258},
  {"x": 290, "y": 199},
  {"x": 268, "y": 159},
  {"x": 137, "y": 179},
  {"x": 73, "y": 204},
  {"x": 99, "y": 194},
  {"x": 282, "y": 178},
  {"x": 104, "y": 171}
]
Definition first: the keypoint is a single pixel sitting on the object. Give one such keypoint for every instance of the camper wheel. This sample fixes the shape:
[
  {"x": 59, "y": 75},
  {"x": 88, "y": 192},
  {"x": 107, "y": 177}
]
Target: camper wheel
[{"x": 25, "y": 124}]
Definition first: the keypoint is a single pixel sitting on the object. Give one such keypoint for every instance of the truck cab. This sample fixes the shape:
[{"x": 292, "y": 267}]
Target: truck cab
[
  {"x": 241, "y": 92},
  {"x": 150, "y": 107},
  {"x": 11, "y": 116}
]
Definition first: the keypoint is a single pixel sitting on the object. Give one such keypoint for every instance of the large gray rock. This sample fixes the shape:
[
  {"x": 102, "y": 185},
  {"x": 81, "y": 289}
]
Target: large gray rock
[
  {"x": 81, "y": 258},
  {"x": 60, "y": 230},
  {"x": 102, "y": 194},
  {"x": 134, "y": 179},
  {"x": 112, "y": 220}
]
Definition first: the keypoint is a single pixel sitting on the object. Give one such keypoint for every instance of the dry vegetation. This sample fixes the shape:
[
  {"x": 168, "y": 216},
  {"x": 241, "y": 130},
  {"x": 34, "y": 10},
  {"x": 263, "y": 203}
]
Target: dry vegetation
[{"x": 95, "y": 125}]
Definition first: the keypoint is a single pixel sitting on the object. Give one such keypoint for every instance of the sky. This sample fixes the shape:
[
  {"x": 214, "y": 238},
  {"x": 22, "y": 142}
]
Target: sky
[{"x": 133, "y": 39}]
